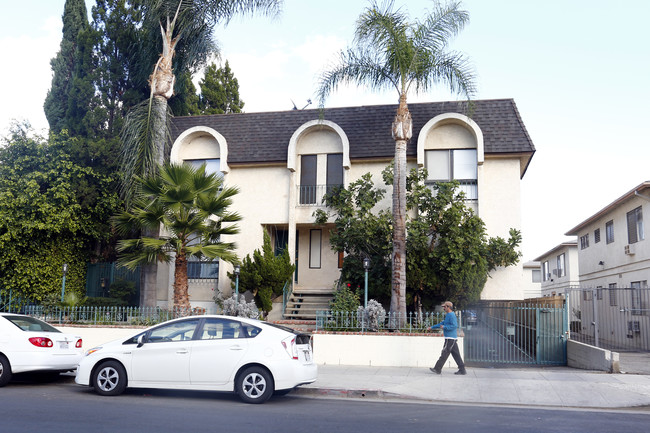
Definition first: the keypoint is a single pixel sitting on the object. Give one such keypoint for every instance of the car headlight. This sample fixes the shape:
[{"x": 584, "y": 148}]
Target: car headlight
[{"x": 93, "y": 350}]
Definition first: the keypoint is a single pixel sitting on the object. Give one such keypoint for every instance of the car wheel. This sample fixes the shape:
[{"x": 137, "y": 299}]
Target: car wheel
[
  {"x": 109, "y": 378},
  {"x": 254, "y": 385},
  {"x": 5, "y": 371}
]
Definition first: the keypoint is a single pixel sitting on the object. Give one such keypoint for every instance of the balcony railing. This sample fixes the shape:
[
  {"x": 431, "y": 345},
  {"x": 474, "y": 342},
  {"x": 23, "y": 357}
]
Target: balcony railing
[
  {"x": 202, "y": 270},
  {"x": 312, "y": 195},
  {"x": 469, "y": 187}
]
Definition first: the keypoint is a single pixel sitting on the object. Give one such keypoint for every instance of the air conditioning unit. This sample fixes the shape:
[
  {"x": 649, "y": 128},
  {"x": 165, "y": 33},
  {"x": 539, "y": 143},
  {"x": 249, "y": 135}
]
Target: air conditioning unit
[
  {"x": 629, "y": 250},
  {"x": 555, "y": 272}
]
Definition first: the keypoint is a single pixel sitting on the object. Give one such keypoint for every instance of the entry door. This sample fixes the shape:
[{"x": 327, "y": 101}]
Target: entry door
[{"x": 551, "y": 339}]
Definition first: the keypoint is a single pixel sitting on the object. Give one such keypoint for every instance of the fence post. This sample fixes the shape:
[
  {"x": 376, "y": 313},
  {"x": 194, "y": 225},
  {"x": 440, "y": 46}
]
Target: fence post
[{"x": 595, "y": 311}]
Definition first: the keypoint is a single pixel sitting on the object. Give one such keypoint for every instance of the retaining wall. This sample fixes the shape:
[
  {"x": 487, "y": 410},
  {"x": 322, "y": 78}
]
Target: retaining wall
[
  {"x": 586, "y": 357},
  {"x": 393, "y": 350}
]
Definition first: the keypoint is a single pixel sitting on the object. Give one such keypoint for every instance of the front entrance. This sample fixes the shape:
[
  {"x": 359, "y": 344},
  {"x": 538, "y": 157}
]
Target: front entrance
[{"x": 499, "y": 333}]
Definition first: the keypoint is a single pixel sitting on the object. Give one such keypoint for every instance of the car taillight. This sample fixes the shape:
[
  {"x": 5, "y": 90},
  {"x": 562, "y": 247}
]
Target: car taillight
[
  {"x": 41, "y": 342},
  {"x": 78, "y": 344},
  {"x": 290, "y": 346}
]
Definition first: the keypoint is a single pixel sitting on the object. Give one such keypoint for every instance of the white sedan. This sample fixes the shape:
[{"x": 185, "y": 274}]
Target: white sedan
[
  {"x": 29, "y": 344},
  {"x": 217, "y": 353}
]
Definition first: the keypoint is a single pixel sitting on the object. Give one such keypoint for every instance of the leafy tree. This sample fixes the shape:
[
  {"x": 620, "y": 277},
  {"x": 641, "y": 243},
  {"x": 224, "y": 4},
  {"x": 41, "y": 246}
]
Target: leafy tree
[
  {"x": 69, "y": 68},
  {"x": 452, "y": 254},
  {"x": 265, "y": 274},
  {"x": 220, "y": 91},
  {"x": 55, "y": 210},
  {"x": 361, "y": 231},
  {"x": 449, "y": 253},
  {"x": 394, "y": 52},
  {"x": 192, "y": 208},
  {"x": 185, "y": 101},
  {"x": 117, "y": 25}
]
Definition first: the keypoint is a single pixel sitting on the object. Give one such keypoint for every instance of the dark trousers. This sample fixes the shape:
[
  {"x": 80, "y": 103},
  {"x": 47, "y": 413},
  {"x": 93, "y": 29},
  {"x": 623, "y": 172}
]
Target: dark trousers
[{"x": 450, "y": 347}]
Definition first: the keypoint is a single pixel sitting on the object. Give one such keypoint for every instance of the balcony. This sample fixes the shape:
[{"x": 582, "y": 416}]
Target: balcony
[
  {"x": 312, "y": 195},
  {"x": 202, "y": 270},
  {"x": 469, "y": 187}
]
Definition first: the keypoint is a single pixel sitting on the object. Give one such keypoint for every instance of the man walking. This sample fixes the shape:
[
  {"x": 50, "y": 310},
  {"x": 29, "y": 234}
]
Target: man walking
[{"x": 449, "y": 326}]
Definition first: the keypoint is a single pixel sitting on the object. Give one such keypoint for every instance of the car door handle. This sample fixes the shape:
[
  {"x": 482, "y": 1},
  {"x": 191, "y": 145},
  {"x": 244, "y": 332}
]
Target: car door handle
[
  {"x": 182, "y": 352},
  {"x": 236, "y": 347}
]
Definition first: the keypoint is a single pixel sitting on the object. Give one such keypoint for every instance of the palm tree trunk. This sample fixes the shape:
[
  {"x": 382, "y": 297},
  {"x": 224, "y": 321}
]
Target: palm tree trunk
[
  {"x": 181, "y": 287},
  {"x": 162, "y": 82},
  {"x": 402, "y": 132}
]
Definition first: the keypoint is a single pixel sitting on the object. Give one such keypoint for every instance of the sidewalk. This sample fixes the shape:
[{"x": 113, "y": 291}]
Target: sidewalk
[{"x": 548, "y": 386}]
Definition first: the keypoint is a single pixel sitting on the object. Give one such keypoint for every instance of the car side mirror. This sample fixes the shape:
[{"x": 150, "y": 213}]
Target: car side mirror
[{"x": 141, "y": 340}]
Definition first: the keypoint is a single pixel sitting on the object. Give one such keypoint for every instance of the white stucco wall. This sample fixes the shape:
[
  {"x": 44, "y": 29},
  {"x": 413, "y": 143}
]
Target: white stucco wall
[{"x": 500, "y": 209}]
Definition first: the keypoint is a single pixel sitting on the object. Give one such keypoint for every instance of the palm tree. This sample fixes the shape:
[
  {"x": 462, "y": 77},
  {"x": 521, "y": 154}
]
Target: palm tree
[
  {"x": 187, "y": 31},
  {"x": 393, "y": 53},
  {"x": 191, "y": 206}
]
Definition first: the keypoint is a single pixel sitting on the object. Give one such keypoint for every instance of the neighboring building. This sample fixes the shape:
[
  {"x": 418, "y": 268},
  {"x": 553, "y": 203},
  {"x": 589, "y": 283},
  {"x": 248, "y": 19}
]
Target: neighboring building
[
  {"x": 284, "y": 162},
  {"x": 611, "y": 309},
  {"x": 532, "y": 280},
  {"x": 612, "y": 246},
  {"x": 559, "y": 269}
]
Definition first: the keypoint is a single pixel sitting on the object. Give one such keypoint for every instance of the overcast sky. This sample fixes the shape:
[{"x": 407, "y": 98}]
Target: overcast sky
[{"x": 577, "y": 69}]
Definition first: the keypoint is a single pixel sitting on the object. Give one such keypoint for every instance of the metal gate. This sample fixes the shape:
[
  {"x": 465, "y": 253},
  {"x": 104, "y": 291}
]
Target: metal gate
[
  {"x": 100, "y": 276},
  {"x": 515, "y": 333}
]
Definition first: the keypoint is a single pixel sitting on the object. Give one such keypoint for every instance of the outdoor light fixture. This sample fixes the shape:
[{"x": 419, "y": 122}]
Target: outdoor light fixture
[
  {"x": 601, "y": 263},
  {"x": 65, "y": 271},
  {"x": 366, "y": 266},
  {"x": 236, "y": 271}
]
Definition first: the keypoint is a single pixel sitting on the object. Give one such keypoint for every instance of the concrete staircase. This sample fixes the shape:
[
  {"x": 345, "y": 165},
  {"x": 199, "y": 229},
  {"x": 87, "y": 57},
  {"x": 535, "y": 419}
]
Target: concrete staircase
[{"x": 304, "y": 303}]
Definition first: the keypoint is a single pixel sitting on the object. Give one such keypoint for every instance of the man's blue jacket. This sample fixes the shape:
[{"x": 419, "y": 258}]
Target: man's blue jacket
[{"x": 450, "y": 325}]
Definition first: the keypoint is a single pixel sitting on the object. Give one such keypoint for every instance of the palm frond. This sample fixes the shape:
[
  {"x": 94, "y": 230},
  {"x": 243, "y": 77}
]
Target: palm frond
[
  {"x": 141, "y": 153},
  {"x": 356, "y": 67}
]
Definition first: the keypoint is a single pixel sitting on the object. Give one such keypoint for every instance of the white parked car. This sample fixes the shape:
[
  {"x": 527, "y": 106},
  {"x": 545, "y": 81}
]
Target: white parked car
[
  {"x": 29, "y": 344},
  {"x": 218, "y": 353}
]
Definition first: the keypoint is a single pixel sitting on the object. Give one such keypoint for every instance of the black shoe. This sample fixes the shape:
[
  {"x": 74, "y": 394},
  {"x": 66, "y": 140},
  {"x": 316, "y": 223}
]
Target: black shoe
[
  {"x": 461, "y": 372},
  {"x": 435, "y": 371}
]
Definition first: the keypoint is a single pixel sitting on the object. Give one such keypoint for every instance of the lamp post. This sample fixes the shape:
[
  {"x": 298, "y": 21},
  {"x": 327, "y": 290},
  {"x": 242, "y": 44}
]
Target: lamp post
[
  {"x": 237, "y": 284},
  {"x": 366, "y": 265},
  {"x": 65, "y": 271}
]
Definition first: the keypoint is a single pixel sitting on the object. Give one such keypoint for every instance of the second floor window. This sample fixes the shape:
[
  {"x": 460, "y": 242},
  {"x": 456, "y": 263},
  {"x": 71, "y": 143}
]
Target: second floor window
[
  {"x": 561, "y": 269},
  {"x": 584, "y": 241},
  {"x": 211, "y": 165},
  {"x": 546, "y": 275},
  {"x": 454, "y": 164},
  {"x": 609, "y": 232},
  {"x": 635, "y": 226}
]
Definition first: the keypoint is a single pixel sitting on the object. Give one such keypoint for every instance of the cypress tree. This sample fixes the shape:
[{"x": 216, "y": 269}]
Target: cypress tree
[
  {"x": 75, "y": 22},
  {"x": 220, "y": 91}
]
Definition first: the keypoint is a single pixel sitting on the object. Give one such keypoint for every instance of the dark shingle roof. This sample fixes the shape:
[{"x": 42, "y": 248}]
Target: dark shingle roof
[{"x": 264, "y": 137}]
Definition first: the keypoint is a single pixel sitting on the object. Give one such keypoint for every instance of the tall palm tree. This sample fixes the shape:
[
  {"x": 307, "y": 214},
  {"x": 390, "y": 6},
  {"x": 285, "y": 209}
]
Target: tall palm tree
[
  {"x": 186, "y": 29},
  {"x": 391, "y": 52},
  {"x": 192, "y": 208}
]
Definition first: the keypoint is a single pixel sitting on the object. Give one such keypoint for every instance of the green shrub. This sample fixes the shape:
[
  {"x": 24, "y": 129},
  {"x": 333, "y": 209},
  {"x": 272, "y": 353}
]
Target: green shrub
[{"x": 345, "y": 300}]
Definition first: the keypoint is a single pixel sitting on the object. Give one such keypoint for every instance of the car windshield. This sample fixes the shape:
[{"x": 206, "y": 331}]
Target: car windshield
[{"x": 30, "y": 324}]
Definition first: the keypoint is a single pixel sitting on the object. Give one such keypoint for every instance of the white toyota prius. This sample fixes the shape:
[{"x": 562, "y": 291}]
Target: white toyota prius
[
  {"x": 218, "y": 353},
  {"x": 29, "y": 344}
]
